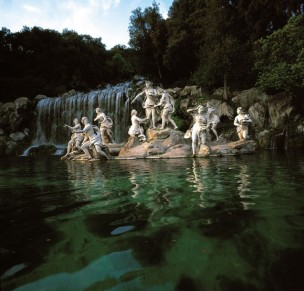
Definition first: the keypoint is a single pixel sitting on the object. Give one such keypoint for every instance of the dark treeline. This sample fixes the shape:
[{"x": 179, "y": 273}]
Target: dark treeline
[{"x": 211, "y": 43}]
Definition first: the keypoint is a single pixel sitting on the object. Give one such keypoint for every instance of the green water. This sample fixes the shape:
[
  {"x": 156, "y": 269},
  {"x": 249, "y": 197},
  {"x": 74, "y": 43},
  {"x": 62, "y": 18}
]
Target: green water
[{"x": 232, "y": 223}]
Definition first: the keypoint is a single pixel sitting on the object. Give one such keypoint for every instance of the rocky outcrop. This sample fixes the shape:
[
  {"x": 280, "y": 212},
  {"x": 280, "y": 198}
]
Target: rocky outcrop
[
  {"x": 171, "y": 144},
  {"x": 280, "y": 110},
  {"x": 15, "y": 120}
]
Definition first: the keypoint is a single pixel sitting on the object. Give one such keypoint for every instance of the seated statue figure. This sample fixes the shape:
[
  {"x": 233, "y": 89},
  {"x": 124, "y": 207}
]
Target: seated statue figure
[
  {"x": 135, "y": 128},
  {"x": 105, "y": 125},
  {"x": 213, "y": 119},
  {"x": 242, "y": 121},
  {"x": 167, "y": 103},
  {"x": 200, "y": 127},
  {"x": 92, "y": 139},
  {"x": 151, "y": 98},
  {"x": 76, "y": 138}
]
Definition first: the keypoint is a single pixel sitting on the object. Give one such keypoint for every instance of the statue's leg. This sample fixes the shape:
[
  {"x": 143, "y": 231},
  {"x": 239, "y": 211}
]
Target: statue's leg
[
  {"x": 100, "y": 152},
  {"x": 70, "y": 144},
  {"x": 213, "y": 128},
  {"x": 149, "y": 115},
  {"x": 203, "y": 137},
  {"x": 109, "y": 133},
  {"x": 153, "y": 117},
  {"x": 240, "y": 133},
  {"x": 245, "y": 132},
  {"x": 85, "y": 148},
  {"x": 102, "y": 133},
  {"x": 172, "y": 121},
  {"x": 78, "y": 145}
]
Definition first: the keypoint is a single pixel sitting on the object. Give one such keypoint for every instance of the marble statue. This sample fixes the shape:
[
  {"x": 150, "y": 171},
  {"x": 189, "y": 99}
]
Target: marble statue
[
  {"x": 213, "y": 119},
  {"x": 105, "y": 125},
  {"x": 200, "y": 127},
  {"x": 135, "y": 128},
  {"x": 76, "y": 138},
  {"x": 151, "y": 98},
  {"x": 167, "y": 103},
  {"x": 92, "y": 138},
  {"x": 242, "y": 121}
]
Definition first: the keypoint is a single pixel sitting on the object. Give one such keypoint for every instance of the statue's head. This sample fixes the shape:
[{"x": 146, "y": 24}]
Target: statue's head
[
  {"x": 98, "y": 110},
  {"x": 76, "y": 120},
  {"x": 200, "y": 108},
  {"x": 148, "y": 83},
  {"x": 133, "y": 112},
  {"x": 239, "y": 110},
  {"x": 84, "y": 120}
]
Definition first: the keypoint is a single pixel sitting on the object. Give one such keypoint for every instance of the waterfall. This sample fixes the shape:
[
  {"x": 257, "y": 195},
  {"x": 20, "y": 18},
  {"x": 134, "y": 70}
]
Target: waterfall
[{"x": 53, "y": 113}]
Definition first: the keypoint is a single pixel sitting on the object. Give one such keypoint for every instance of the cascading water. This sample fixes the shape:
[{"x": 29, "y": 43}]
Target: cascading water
[{"x": 53, "y": 113}]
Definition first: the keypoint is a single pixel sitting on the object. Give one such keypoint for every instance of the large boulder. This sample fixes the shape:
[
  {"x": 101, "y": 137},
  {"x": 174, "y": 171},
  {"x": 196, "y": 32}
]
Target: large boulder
[
  {"x": 234, "y": 148},
  {"x": 280, "y": 108},
  {"x": 161, "y": 143},
  {"x": 222, "y": 108},
  {"x": 264, "y": 139},
  {"x": 258, "y": 113},
  {"x": 248, "y": 98},
  {"x": 21, "y": 103}
]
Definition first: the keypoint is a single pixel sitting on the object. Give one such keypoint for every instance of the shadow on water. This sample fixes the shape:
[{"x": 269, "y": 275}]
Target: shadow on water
[{"x": 231, "y": 223}]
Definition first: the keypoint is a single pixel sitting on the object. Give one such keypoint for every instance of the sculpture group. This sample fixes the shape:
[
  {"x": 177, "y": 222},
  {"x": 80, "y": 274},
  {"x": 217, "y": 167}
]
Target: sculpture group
[{"x": 158, "y": 105}]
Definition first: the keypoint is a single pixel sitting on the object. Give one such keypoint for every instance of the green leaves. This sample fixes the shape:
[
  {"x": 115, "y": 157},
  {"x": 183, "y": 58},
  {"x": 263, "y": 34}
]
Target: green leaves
[{"x": 279, "y": 58}]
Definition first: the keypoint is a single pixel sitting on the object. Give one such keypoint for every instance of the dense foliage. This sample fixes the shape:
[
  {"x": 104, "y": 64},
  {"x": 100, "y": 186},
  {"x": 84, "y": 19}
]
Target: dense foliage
[
  {"x": 212, "y": 43},
  {"x": 280, "y": 58}
]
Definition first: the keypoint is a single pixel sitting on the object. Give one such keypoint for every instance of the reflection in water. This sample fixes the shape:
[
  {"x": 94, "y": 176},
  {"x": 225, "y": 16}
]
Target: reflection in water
[
  {"x": 244, "y": 186},
  {"x": 233, "y": 223},
  {"x": 117, "y": 264}
]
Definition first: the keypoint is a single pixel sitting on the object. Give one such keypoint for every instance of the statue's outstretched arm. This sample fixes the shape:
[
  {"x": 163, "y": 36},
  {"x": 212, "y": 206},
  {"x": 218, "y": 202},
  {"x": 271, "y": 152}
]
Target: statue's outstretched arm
[{"x": 137, "y": 96}]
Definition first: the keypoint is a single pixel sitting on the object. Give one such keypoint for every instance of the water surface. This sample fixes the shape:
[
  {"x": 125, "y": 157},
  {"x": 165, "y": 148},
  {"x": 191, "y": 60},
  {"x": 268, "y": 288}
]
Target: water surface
[{"x": 231, "y": 223}]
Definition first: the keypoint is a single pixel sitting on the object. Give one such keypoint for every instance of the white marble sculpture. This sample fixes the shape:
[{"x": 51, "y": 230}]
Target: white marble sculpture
[
  {"x": 151, "y": 99},
  {"x": 200, "y": 127},
  {"x": 136, "y": 128},
  {"x": 213, "y": 119},
  {"x": 76, "y": 138},
  {"x": 167, "y": 104},
  {"x": 92, "y": 138},
  {"x": 105, "y": 125},
  {"x": 242, "y": 121}
]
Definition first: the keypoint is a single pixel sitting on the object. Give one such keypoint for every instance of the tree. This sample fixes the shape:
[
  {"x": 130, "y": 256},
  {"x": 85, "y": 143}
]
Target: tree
[
  {"x": 224, "y": 51},
  {"x": 279, "y": 58},
  {"x": 147, "y": 32},
  {"x": 185, "y": 35}
]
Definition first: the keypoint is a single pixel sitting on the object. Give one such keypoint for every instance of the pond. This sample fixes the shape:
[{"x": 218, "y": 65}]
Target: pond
[{"x": 230, "y": 223}]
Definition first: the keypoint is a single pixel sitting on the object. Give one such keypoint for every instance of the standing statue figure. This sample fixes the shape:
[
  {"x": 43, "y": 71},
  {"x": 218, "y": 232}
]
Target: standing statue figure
[
  {"x": 151, "y": 98},
  {"x": 213, "y": 119},
  {"x": 242, "y": 121},
  {"x": 200, "y": 127},
  {"x": 105, "y": 125},
  {"x": 92, "y": 138},
  {"x": 168, "y": 108},
  {"x": 76, "y": 138},
  {"x": 135, "y": 128}
]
